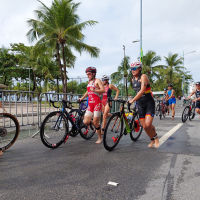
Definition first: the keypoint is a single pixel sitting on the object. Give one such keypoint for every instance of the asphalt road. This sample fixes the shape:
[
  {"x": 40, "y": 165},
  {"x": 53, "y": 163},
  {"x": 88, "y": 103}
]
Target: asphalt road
[{"x": 80, "y": 170}]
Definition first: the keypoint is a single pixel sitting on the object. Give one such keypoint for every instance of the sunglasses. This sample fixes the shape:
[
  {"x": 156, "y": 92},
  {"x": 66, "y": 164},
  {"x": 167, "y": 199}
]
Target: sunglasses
[
  {"x": 89, "y": 73},
  {"x": 134, "y": 68}
]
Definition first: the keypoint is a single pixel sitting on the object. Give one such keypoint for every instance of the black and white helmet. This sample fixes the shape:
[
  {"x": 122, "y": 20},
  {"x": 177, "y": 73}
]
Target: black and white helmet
[
  {"x": 197, "y": 83},
  {"x": 105, "y": 78}
]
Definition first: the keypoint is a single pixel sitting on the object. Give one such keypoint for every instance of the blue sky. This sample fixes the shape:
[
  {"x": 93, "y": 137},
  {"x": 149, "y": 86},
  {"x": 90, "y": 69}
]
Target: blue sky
[{"x": 168, "y": 26}]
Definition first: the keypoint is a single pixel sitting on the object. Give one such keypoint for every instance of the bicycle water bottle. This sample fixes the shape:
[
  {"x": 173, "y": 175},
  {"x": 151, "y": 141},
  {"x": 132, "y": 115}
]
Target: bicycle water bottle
[{"x": 130, "y": 117}]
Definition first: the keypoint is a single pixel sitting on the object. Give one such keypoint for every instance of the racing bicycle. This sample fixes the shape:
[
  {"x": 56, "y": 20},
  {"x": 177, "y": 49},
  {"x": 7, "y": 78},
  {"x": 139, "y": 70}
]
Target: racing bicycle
[
  {"x": 9, "y": 130},
  {"x": 59, "y": 125},
  {"x": 189, "y": 111},
  {"x": 119, "y": 124},
  {"x": 161, "y": 109}
]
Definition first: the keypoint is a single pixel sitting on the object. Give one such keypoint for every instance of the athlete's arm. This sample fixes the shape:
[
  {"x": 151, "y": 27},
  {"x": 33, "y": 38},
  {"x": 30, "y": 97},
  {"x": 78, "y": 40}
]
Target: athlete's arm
[
  {"x": 112, "y": 87},
  {"x": 191, "y": 94},
  {"x": 144, "y": 83},
  {"x": 101, "y": 87},
  {"x": 84, "y": 96}
]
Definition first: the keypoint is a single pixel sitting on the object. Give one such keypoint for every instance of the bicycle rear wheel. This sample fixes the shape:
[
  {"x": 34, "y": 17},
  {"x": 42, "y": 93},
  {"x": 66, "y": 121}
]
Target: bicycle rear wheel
[
  {"x": 54, "y": 130},
  {"x": 9, "y": 130},
  {"x": 73, "y": 132},
  {"x": 113, "y": 132},
  {"x": 136, "y": 128},
  {"x": 160, "y": 113},
  {"x": 164, "y": 112},
  {"x": 185, "y": 114}
]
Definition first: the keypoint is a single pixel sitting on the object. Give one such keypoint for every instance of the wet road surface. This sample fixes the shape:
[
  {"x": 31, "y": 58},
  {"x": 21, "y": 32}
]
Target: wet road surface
[{"x": 80, "y": 170}]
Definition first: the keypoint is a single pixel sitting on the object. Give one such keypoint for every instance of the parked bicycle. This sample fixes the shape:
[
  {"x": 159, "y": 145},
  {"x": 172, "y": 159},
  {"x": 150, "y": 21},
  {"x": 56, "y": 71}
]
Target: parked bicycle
[
  {"x": 115, "y": 127},
  {"x": 161, "y": 109},
  {"x": 67, "y": 121},
  {"x": 189, "y": 111},
  {"x": 9, "y": 130}
]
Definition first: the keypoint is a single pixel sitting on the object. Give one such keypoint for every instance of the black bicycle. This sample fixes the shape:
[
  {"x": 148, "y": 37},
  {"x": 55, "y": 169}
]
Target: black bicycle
[
  {"x": 115, "y": 127},
  {"x": 59, "y": 125},
  {"x": 9, "y": 130},
  {"x": 189, "y": 112}
]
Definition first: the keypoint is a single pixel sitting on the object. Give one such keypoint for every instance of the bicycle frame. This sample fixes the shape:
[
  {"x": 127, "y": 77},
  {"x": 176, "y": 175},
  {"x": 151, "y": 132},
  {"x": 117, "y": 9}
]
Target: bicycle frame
[{"x": 123, "y": 117}]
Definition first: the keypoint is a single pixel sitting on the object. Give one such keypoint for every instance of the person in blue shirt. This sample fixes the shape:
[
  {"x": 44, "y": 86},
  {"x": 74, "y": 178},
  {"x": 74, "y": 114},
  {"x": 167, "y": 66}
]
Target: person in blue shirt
[{"x": 171, "y": 99}]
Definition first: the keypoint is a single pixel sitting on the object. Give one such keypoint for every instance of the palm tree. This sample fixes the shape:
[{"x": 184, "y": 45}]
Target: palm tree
[
  {"x": 42, "y": 65},
  {"x": 149, "y": 67},
  {"x": 174, "y": 63},
  {"x": 7, "y": 61},
  {"x": 58, "y": 27},
  {"x": 122, "y": 73}
]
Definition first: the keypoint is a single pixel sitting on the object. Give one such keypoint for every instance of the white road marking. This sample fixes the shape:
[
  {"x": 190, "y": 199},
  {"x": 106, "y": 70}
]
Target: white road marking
[
  {"x": 165, "y": 137},
  {"x": 112, "y": 183}
]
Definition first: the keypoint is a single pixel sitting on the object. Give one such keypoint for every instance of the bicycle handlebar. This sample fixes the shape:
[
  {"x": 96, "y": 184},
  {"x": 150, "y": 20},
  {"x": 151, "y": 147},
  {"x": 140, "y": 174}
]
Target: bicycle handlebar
[
  {"x": 120, "y": 101},
  {"x": 65, "y": 103}
]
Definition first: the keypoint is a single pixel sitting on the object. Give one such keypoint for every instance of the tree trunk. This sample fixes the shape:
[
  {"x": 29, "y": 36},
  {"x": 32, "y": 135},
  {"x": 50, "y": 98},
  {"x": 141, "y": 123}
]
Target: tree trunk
[
  {"x": 64, "y": 68},
  {"x": 59, "y": 62},
  {"x": 57, "y": 84},
  {"x": 171, "y": 72},
  {"x": 34, "y": 82}
]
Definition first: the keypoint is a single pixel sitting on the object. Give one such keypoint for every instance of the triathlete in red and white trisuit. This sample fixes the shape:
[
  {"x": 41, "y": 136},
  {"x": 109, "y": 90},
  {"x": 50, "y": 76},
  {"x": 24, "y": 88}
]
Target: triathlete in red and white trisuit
[
  {"x": 94, "y": 90},
  {"x": 94, "y": 100},
  {"x": 107, "y": 94}
]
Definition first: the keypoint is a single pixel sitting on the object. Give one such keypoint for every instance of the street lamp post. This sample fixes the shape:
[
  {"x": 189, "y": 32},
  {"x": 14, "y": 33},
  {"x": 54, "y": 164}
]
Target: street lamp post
[
  {"x": 135, "y": 41},
  {"x": 124, "y": 48},
  {"x": 141, "y": 51}
]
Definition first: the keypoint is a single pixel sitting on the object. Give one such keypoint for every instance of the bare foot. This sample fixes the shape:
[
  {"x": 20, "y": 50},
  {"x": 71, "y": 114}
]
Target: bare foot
[
  {"x": 157, "y": 144},
  {"x": 151, "y": 144},
  {"x": 1, "y": 153},
  {"x": 99, "y": 141},
  {"x": 172, "y": 117}
]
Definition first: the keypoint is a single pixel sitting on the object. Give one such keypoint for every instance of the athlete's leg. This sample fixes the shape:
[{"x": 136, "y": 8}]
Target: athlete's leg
[
  {"x": 87, "y": 117},
  {"x": 103, "y": 108},
  {"x": 197, "y": 110},
  {"x": 1, "y": 152},
  {"x": 150, "y": 130},
  {"x": 173, "y": 110},
  {"x": 105, "y": 115},
  {"x": 168, "y": 109},
  {"x": 96, "y": 122}
]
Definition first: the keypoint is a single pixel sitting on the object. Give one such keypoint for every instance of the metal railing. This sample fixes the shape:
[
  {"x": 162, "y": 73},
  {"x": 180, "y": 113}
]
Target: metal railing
[{"x": 31, "y": 108}]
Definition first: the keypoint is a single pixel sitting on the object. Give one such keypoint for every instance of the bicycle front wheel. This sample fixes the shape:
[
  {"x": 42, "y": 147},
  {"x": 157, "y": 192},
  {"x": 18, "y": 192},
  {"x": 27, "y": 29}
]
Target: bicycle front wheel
[
  {"x": 185, "y": 114},
  {"x": 54, "y": 130},
  {"x": 87, "y": 132},
  {"x": 136, "y": 128},
  {"x": 192, "y": 114},
  {"x": 113, "y": 132},
  {"x": 9, "y": 130},
  {"x": 157, "y": 110}
]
